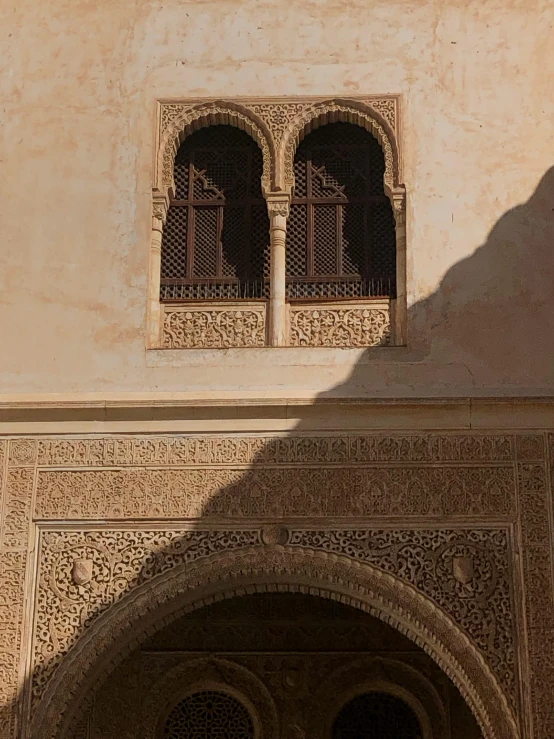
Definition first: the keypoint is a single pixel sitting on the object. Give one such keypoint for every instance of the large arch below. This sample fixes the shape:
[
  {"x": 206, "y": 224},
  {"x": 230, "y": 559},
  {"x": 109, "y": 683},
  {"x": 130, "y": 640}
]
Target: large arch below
[{"x": 272, "y": 568}]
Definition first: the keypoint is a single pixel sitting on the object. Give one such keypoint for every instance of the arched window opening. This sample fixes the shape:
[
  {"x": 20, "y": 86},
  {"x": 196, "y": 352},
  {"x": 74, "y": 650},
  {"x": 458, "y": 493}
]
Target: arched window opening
[
  {"x": 215, "y": 242},
  {"x": 376, "y": 716},
  {"x": 341, "y": 240},
  {"x": 209, "y": 714}
]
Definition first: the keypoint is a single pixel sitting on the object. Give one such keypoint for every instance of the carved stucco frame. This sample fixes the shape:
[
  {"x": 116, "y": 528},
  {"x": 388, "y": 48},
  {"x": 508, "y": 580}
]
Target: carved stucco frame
[
  {"x": 271, "y": 568},
  {"x": 278, "y": 127}
]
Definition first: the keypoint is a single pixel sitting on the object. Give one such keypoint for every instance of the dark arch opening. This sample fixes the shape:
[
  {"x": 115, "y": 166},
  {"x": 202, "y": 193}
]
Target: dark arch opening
[
  {"x": 307, "y": 650},
  {"x": 215, "y": 243},
  {"x": 341, "y": 237},
  {"x": 376, "y": 715}
]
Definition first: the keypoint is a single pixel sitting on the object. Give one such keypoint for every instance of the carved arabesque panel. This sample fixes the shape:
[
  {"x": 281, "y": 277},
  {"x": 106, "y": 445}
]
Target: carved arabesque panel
[
  {"x": 214, "y": 326},
  {"x": 84, "y": 573},
  {"x": 17, "y": 460},
  {"x": 278, "y": 492},
  {"x": 482, "y": 485},
  {"x": 176, "y": 120},
  {"x": 274, "y": 124},
  {"x": 537, "y": 537},
  {"x": 354, "y": 326},
  {"x": 346, "y": 449}
]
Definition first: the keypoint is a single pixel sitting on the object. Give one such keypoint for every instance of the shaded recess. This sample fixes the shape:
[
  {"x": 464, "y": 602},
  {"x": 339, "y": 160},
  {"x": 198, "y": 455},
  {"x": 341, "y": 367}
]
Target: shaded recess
[{"x": 312, "y": 656}]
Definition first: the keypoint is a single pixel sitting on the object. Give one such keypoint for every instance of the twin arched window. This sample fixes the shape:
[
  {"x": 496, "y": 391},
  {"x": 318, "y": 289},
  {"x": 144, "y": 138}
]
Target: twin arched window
[{"x": 340, "y": 233}]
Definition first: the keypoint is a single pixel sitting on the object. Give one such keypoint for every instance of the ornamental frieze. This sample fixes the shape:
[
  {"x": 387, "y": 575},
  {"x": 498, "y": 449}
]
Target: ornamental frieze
[
  {"x": 346, "y": 449},
  {"x": 191, "y": 493}
]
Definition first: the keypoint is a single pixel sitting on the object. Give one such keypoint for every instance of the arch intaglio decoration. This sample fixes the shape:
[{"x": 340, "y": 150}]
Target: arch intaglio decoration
[
  {"x": 270, "y": 567},
  {"x": 278, "y": 126}
]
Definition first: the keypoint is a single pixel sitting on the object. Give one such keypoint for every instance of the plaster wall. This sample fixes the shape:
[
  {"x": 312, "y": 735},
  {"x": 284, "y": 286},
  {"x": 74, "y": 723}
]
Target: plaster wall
[{"x": 78, "y": 86}]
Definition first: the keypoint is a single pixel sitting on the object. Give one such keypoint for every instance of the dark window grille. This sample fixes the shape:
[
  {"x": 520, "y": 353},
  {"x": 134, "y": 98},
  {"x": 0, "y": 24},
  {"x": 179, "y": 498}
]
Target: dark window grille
[
  {"x": 215, "y": 243},
  {"x": 341, "y": 240},
  {"x": 376, "y": 716},
  {"x": 209, "y": 714}
]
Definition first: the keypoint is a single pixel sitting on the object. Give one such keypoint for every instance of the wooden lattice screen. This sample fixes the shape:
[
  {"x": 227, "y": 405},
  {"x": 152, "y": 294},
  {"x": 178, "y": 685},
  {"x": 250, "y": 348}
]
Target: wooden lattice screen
[
  {"x": 216, "y": 238},
  {"x": 341, "y": 234}
]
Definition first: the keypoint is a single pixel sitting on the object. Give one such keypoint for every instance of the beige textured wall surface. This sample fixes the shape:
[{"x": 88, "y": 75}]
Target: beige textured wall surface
[{"x": 78, "y": 85}]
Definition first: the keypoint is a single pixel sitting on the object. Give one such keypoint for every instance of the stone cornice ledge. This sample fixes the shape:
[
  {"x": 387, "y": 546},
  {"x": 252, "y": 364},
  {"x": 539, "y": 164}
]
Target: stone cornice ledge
[{"x": 198, "y": 413}]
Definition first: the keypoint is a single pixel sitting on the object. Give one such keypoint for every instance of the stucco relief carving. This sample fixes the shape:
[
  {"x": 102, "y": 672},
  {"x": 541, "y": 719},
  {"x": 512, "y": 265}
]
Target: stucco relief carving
[
  {"x": 277, "y": 115},
  {"x": 388, "y": 108},
  {"x": 342, "y": 449},
  {"x": 276, "y": 126},
  {"x": 537, "y": 536},
  {"x": 178, "y": 119},
  {"x": 145, "y": 492},
  {"x": 269, "y": 569},
  {"x": 340, "y": 326},
  {"x": 121, "y": 560},
  {"x": 196, "y": 327},
  {"x": 484, "y": 484},
  {"x": 12, "y": 581},
  {"x": 16, "y": 487},
  {"x": 352, "y": 111}
]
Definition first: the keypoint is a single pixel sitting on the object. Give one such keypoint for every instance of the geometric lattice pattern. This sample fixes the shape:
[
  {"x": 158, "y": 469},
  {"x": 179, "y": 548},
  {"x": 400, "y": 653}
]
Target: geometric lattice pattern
[
  {"x": 341, "y": 240},
  {"x": 216, "y": 238},
  {"x": 376, "y": 716},
  {"x": 209, "y": 715}
]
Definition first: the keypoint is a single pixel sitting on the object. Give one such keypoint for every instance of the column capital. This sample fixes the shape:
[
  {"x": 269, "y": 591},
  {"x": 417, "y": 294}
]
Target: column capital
[
  {"x": 398, "y": 199},
  {"x": 160, "y": 206},
  {"x": 278, "y": 204}
]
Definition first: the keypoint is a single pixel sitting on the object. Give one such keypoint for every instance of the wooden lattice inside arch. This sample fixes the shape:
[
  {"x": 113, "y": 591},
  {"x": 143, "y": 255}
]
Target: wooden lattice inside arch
[
  {"x": 209, "y": 714},
  {"x": 341, "y": 238},
  {"x": 216, "y": 238}
]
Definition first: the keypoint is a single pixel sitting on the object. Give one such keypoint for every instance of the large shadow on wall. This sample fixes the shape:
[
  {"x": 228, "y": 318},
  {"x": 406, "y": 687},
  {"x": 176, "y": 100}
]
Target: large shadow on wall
[{"x": 492, "y": 311}]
